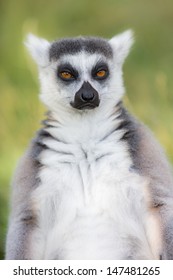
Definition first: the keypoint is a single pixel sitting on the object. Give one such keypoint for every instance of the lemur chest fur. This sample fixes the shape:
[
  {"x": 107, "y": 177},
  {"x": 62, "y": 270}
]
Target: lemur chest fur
[
  {"x": 90, "y": 202},
  {"x": 86, "y": 158}
]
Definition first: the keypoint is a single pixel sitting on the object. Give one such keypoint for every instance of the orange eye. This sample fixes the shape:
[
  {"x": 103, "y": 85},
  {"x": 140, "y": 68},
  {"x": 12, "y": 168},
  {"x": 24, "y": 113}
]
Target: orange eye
[
  {"x": 101, "y": 74},
  {"x": 66, "y": 75}
]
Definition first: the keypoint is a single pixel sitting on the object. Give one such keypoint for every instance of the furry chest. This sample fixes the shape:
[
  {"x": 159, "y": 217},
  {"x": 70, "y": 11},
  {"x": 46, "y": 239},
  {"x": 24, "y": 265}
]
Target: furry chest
[
  {"x": 84, "y": 169},
  {"x": 84, "y": 198}
]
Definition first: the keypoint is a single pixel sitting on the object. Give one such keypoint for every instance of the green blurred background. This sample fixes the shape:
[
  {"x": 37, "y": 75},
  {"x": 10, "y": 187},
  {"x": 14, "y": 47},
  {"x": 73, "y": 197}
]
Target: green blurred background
[{"x": 148, "y": 70}]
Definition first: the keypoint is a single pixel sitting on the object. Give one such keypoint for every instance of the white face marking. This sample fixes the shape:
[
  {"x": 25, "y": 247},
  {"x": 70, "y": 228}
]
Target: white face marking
[{"x": 58, "y": 94}]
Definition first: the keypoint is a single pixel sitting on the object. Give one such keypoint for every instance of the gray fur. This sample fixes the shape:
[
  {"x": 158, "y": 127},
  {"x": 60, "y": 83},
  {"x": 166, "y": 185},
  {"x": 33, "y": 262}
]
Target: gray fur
[
  {"x": 149, "y": 160},
  {"x": 23, "y": 219},
  {"x": 128, "y": 125},
  {"x": 75, "y": 45}
]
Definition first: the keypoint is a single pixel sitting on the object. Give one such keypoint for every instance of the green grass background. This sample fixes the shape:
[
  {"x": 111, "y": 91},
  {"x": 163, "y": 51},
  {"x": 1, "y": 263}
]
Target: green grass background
[{"x": 148, "y": 71}]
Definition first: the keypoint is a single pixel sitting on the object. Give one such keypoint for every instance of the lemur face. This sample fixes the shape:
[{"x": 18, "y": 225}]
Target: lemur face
[
  {"x": 82, "y": 79},
  {"x": 80, "y": 74}
]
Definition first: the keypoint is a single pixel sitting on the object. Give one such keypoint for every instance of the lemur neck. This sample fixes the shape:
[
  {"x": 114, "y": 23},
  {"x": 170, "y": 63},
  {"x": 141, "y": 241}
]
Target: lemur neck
[
  {"x": 84, "y": 127},
  {"x": 94, "y": 116}
]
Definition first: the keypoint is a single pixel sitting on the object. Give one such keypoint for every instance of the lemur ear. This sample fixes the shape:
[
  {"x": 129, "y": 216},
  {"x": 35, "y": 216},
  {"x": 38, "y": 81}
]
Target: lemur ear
[
  {"x": 121, "y": 45},
  {"x": 39, "y": 49}
]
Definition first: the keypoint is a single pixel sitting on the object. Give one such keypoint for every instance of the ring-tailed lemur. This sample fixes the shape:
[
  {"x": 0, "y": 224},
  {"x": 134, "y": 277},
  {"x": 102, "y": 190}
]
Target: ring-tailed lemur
[{"x": 94, "y": 183}]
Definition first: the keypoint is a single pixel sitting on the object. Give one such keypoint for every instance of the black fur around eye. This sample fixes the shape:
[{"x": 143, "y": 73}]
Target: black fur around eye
[
  {"x": 67, "y": 73},
  {"x": 100, "y": 71}
]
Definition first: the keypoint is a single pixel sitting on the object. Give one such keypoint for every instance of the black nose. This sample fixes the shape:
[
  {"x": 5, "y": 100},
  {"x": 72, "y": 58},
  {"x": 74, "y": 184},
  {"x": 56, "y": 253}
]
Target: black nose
[{"x": 86, "y": 97}]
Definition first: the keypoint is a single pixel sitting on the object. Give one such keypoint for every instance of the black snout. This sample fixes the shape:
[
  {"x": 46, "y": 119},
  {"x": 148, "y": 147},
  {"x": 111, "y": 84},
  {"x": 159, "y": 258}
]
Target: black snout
[{"x": 86, "y": 97}]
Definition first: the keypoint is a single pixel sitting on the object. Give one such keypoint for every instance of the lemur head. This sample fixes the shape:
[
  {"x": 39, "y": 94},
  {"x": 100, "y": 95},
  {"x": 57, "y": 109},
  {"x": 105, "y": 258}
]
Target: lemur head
[{"x": 81, "y": 74}]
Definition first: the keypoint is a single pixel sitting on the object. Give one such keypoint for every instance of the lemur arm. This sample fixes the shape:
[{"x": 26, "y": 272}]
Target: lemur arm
[
  {"x": 22, "y": 219},
  {"x": 152, "y": 163}
]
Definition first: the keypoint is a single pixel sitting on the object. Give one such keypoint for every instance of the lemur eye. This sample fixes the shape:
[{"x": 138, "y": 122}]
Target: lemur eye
[
  {"x": 66, "y": 75},
  {"x": 100, "y": 71},
  {"x": 101, "y": 74}
]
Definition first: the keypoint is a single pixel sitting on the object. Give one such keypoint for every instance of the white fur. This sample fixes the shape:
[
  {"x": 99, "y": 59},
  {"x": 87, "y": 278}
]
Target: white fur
[
  {"x": 38, "y": 48},
  {"x": 58, "y": 98},
  {"x": 89, "y": 208},
  {"x": 121, "y": 45}
]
